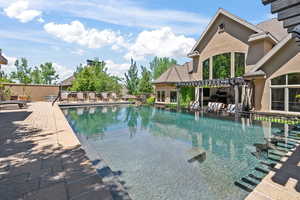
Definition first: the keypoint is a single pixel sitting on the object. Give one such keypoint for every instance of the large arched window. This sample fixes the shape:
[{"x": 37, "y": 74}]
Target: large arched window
[
  {"x": 285, "y": 92},
  {"x": 222, "y": 66}
]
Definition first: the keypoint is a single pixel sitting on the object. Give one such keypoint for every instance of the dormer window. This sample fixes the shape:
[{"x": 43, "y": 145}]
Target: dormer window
[{"x": 221, "y": 28}]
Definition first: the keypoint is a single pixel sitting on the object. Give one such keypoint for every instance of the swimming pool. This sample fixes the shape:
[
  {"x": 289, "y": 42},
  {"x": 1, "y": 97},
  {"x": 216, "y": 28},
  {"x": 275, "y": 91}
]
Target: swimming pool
[{"x": 162, "y": 154}]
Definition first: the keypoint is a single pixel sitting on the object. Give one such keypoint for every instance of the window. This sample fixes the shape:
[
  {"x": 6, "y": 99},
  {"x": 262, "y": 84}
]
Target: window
[
  {"x": 163, "y": 96},
  {"x": 285, "y": 91},
  {"x": 205, "y": 70},
  {"x": 173, "y": 96},
  {"x": 158, "y": 96},
  {"x": 239, "y": 64},
  {"x": 294, "y": 79},
  {"x": 222, "y": 66},
  {"x": 278, "y": 99},
  {"x": 281, "y": 80},
  {"x": 294, "y": 99}
]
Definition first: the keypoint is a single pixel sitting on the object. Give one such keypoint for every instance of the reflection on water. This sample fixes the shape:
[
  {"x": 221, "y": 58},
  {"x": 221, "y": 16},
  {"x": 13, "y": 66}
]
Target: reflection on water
[{"x": 155, "y": 147}]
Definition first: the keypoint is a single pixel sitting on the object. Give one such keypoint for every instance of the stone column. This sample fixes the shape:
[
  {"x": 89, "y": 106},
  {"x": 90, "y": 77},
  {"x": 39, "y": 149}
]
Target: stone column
[
  {"x": 232, "y": 67},
  {"x": 178, "y": 97},
  {"x": 236, "y": 96},
  {"x": 211, "y": 68}
]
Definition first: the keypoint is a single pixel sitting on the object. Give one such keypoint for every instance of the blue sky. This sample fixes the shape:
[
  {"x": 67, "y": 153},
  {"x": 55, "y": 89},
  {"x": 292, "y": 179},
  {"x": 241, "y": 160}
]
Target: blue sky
[{"x": 67, "y": 32}]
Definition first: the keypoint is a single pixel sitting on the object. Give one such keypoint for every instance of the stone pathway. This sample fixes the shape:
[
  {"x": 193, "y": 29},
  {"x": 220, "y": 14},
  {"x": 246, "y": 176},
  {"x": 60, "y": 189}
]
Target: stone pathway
[{"x": 41, "y": 159}]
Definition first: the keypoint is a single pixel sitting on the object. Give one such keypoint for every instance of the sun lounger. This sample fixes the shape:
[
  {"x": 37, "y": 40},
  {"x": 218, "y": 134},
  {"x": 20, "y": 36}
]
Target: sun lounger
[
  {"x": 64, "y": 96},
  {"x": 104, "y": 96},
  {"x": 92, "y": 96},
  {"x": 21, "y": 104},
  {"x": 80, "y": 96}
]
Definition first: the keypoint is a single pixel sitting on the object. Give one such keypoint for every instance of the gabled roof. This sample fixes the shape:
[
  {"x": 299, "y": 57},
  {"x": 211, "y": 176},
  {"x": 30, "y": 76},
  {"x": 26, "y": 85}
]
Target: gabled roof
[
  {"x": 68, "y": 81},
  {"x": 175, "y": 74},
  {"x": 269, "y": 55},
  {"x": 221, "y": 11},
  {"x": 3, "y": 60},
  {"x": 273, "y": 27}
]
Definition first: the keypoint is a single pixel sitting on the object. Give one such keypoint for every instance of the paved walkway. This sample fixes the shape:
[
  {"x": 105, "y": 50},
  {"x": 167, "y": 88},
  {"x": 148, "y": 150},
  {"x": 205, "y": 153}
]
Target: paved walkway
[
  {"x": 41, "y": 159},
  {"x": 282, "y": 182}
]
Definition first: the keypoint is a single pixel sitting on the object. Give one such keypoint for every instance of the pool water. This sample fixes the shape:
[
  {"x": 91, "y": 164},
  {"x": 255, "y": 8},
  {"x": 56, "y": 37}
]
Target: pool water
[{"x": 173, "y": 155}]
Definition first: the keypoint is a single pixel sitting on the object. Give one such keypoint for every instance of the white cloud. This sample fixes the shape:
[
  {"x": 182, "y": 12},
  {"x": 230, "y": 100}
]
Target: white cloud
[
  {"x": 20, "y": 10},
  {"x": 117, "y": 69},
  {"x": 75, "y": 32},
  {"x": 162, "y": 42},
  {"x": 41, "y": 20},
  {"x": 63, "y": 71},
  {"x": 79, "y": 52}
]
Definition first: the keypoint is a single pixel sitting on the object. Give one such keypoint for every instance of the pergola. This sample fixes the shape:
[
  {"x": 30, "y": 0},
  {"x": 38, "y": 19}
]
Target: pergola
[
  {"x": 200, "y": 84},
  {"x": 288, "y": 11}
]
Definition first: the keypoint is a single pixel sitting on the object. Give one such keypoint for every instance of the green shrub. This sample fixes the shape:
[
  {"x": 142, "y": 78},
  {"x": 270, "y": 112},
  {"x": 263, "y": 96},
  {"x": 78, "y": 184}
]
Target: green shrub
[{"x": 150, "y": 100}]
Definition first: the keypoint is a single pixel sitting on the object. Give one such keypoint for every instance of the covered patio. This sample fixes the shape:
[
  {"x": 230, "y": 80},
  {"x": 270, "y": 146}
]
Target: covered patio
[{"x": 236, "y": 91}]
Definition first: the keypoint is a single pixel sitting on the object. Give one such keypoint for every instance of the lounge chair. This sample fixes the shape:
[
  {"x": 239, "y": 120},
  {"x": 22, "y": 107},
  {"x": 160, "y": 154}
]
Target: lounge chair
[
  {"x": 195, "y": 105},
  {"x": 92, "y": 96},
  {"x": 231, "y": 108},
  {"x": 21, "y": 104},
  {"x": 104, "y": 96},
  {"x": 80, "y": 96},
  {"x": 114, "y": 96},
  {"x": 64, "y": 96}
]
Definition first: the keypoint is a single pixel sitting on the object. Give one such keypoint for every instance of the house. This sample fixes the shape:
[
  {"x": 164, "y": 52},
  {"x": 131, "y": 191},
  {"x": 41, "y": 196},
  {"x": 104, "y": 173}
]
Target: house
[
  {"x": 3, "y": 60},
  {"x": 234, "y": 62}
]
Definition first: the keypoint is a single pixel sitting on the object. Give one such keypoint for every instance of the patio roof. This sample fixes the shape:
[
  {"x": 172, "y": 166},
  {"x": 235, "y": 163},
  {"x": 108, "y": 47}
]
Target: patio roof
[{"x": 214, "y": 82}]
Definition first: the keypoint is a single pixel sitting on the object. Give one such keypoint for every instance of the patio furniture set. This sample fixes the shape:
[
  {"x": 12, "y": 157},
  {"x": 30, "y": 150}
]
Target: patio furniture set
[
  {"x": 215, "y": 107},
  {"x": 88, "y": 97}
]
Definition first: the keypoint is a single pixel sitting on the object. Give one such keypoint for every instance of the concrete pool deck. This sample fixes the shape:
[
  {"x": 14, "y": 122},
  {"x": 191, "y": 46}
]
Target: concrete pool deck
[
  {"x": 282, "y": 182},
  {"x": 41, "y": 158}
]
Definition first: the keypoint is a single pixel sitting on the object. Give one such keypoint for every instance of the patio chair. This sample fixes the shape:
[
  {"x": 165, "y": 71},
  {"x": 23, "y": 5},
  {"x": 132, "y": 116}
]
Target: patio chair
[
  {"x": 209, "y": 107},
  {"x": 231, "y": 108},
  {"x": 104, "y": 96},
  {"x": 114, "y": 96},
  {"x": 92, "y": 96},
  {"x": 64, "y": 96},
  {"x": 195, "y": 105},
  {"x": 80, "y": 96}
]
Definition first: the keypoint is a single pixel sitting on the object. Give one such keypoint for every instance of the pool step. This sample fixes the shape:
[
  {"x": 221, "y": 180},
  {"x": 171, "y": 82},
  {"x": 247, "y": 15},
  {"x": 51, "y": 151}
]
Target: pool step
[
  {"x": 242, "y": 186},
  {"x": 249, "y": 182},
  {"x": 261, "y": 170},
  {"x": 255, "y": 177}
]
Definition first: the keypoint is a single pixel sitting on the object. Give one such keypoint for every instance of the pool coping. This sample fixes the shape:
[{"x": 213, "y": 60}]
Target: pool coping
[{"x": 102, "y": 165}]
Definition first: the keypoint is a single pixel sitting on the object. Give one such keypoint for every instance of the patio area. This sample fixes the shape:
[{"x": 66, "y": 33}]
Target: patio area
[{"x": 40, "y": 158}]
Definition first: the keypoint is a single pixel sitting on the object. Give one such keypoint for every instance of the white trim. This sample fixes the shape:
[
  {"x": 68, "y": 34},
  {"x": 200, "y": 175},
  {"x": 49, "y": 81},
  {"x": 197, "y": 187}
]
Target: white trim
[{"x": 229, "y": 15}]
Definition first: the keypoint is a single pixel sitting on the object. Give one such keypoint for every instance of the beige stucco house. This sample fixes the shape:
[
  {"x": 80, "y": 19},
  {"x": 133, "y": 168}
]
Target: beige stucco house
[{"x": 264, "y": 56}]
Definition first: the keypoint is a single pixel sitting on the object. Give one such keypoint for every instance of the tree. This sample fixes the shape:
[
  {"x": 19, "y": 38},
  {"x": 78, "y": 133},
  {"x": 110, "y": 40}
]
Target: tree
[
  {"x": 48, "y": 73},
  {"x": 36, "y": 76},
  {"x": 132, "y": 79},
  {"x": 23, "y": 73},
  {"x": 95, "y": 77},
  {"x": 145, "y": 85},
  {"x": 159, "y": 65}
]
